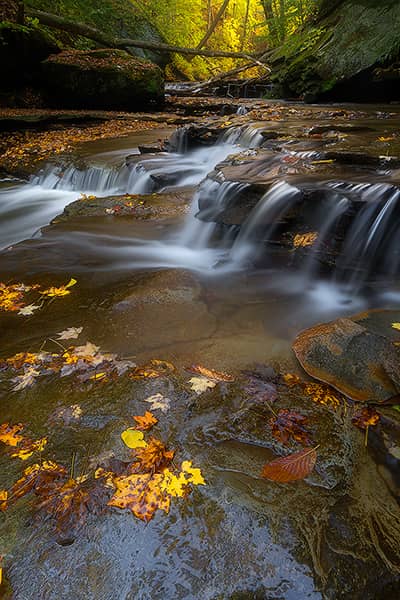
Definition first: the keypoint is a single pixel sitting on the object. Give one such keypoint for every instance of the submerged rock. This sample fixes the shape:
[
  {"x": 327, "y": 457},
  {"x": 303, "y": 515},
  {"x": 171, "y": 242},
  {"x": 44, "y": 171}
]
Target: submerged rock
[
  {"x": 109, "y": 79},
  {"x": 358, "y": 356}
]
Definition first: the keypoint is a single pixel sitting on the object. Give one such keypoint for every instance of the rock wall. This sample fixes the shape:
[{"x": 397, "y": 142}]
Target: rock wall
[{"x": 350, "y": 52}]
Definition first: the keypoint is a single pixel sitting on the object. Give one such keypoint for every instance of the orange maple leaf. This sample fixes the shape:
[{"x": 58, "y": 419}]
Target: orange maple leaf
[
  {"x": 146, "y": 421},
  {"x": 153, "y": 458}
]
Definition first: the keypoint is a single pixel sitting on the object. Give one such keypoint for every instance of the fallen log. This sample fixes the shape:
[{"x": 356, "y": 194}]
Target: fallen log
[
  {"x": 228, "y": 74},
  {"x": 57, "y": 22}
]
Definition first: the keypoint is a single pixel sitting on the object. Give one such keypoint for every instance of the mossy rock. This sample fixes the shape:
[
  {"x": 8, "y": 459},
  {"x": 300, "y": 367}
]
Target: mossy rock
[
  {"x": 102, "y": 79},
  {"x": 335, "y": 57}
]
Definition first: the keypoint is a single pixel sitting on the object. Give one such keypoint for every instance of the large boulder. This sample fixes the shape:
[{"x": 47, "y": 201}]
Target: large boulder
[
  {"x": 102, "y": 79},
  {"x": 343, "y": 55},
  {"x": 359, "y": 356}
]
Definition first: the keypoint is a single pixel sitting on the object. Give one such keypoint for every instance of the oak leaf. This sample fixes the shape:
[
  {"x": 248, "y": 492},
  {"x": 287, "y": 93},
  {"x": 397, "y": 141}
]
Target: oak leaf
[
  {"x": 146, "y": 421},
  {"x": 294, "y": 467}
]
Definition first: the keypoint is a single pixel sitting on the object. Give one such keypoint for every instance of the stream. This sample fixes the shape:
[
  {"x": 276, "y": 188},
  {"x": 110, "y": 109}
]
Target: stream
[{"x": 189, "y": 255}]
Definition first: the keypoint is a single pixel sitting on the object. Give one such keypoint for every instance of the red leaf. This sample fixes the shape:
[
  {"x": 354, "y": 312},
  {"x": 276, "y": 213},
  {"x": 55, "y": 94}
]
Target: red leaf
[{"x": 290, "y": 468}]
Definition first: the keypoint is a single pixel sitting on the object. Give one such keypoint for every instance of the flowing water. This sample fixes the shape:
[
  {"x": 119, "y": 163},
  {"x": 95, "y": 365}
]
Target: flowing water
[{"x": 225, "y": 286}]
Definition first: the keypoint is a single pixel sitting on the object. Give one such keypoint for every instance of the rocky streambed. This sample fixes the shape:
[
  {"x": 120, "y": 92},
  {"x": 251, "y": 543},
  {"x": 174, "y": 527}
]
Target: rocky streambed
[{"x": 179, "y": 262}]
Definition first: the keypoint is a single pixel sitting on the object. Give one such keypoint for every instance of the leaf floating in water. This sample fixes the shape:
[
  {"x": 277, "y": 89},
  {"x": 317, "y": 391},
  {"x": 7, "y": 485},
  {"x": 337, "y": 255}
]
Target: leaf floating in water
[
  {"x": 302, "y": 240},
  {"x": 70, "y": 333},
  {"x": 294, "y": 467},
  {"x": 290, "y": 424},
  {"x": 201, "y": 384},
  {"x": 146, "y": 421},
  {"x": 210, "y": 373},
  {"x": 365, "y": 417},
  {"x": 25, "y": 380},
  {"x": 158, "y": 402},
  {"x": 153, "y": 457},
  {"x": 133, "y": 438},
  {"x": 27, "y": 447},
  {"x": 396, "y": 326},
  {"x": 27, "y": 311}
]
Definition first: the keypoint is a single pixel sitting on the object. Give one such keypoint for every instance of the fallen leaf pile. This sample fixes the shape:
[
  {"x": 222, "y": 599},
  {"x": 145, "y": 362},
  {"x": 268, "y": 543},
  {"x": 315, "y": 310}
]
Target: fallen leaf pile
[{"x": 19, "y": 297}]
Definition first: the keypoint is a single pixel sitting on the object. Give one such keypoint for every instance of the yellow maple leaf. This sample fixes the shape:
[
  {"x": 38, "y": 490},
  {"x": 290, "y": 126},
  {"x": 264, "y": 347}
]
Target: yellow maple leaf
[
  {"x": 396, "y": 325},
  {"x": 54, "y": 292},
  {"x": 133, "y": 438},
  {"x": 196, "y": 477}
]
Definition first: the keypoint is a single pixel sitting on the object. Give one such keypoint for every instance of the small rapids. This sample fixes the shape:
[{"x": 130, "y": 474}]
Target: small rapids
[{"x": 357, "y": 243}]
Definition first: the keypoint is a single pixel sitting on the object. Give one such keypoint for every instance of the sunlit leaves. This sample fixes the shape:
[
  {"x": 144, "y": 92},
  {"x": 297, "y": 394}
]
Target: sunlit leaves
[
  {"x": 294, "y": 467},
  {"x": 287, "y": 425}
]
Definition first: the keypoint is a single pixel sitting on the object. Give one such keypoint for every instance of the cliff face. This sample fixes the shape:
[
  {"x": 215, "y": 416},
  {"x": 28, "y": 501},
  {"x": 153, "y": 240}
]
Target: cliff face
[{"x": 351, "y": 52}]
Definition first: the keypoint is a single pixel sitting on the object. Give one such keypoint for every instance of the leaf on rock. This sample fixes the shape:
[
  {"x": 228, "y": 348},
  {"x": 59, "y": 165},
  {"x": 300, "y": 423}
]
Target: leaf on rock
[
  {"x": 133, "y": 438},
  {"x": 141, "y": 494},
  {"x": 154, "y": 457},
  {"x": 37, "y": 476},
  {"x": 294, "y": 467},
  {"x": 146, "y": 421},
  {"x": 70, "y": 333},
  {"x": 365, "y": 417},
  {"x": 290, "y": 424},
  {"x": 158, "y": 402},
  {"x": 210, "y": 373},
  {"x": 322, "y": 394},
  {"x": 10, "y": 434},
  {"x": 201, "y": 384}
]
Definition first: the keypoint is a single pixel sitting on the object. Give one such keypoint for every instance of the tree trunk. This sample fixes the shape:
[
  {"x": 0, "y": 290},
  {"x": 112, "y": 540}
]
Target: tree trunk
[
  {"x": 246, "y": 20},
  {"x": 58, "y": 22},
  {"x": 271, "y": 20},
  {"x": 213, "y": 25}
]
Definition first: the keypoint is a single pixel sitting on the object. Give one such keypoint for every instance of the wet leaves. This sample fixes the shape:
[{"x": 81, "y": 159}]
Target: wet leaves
[
  {"x": 158, "y": 402},
  {"x": 294, "y": 467},
  {"x": 20, "y": 446},
  {"x": 133, "y": 438},
  {"x": 289, "y": 425},
  {"x": 11, "y": 434},
  {"x": 70, "y": 333}
]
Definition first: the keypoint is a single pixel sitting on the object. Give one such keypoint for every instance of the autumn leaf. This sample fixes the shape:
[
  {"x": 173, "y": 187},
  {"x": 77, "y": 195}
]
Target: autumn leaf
[
  {"x": 294, "y": 467},
  {"x": 141, "y": 494},
  {"x": 27, "y": 311},
  {"x": 22, "y": 358},
  {"x": 260, "y": 388},
  {"x": 3, "y": 500},
  {"x": 158, "y": 402},
  {"x": 70, "y": 333},
  {"x": 396, "y": 326},
  {"x": 290, "y": 424},
  {"x": 365, "y": 417},
  {"x": 146, "y": 421},
  {"x": 195, "y": 475},
  {"x": 302, "y": 240},
  {"x": 66, "y": 415},
  {"x": 10, "y": 434},
  {"x": 55, "y": 292},
  {"x": 321, "y": 394},
  {"x": 210, "y": 373},
  {"x": 291, "y": 379},
  {"x": 38, "y": 475},
  {"x": 133, "y": 438},
  {"x": 201, "y": 384},
  {"x": 153, "y": 457}
]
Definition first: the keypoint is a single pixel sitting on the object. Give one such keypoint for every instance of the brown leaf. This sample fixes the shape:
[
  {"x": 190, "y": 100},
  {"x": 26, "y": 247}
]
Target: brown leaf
[
  {"x": 365, "y": 417},
  {"x": 290, "y": 424},
  {"x": 210, "y": 373},
  {"x": 294, "y": 467},
  {"x": 152, "y": 458}
]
